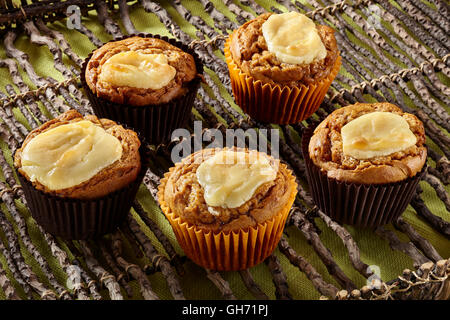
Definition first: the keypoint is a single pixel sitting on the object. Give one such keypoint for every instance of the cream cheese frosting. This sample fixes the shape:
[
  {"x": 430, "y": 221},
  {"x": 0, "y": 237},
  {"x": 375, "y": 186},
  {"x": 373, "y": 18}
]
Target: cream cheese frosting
[
  {"x": 230, "y": 178},
  {"x": 376, "y": 134},
  {"x": 69, "y": 154},
  {"x": 138, "y": 70},
  {"x": 293, "y": 38}
]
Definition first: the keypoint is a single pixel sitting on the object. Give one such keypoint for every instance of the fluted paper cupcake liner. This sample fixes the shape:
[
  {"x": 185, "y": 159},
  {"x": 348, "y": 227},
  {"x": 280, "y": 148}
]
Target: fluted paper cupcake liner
[
  {"x": 228, "y": 251},
  {"x": 155, "y": 122},
  {"x": 273, "y": 103},
  {"x": 362, "y": 205},
  {"x": 82, "y": 219}
]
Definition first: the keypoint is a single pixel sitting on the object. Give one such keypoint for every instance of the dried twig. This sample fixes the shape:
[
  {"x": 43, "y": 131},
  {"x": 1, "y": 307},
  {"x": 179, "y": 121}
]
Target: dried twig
[
  {"x": 5, "y": 284},
  {"x": 25, "y": 270},
  {"x": 405, "y": 247},
  {"x": 349, "y": 243},
  {"x": 308, "y": 230},
  {"x": 221, "y": 284},
  {"x": 125, "y": 16},
  {"x": 173, "y": 256},
  {"x": 120, "y": 276},
  {"x": 110, "y": 26},
  {"x": 323, "y": 287},
  {"x": 420, "y": 242},
  {"x": 72, "y": 271},
  {"x": 251, "y": 285},
  {"x": 158, "y": 260},
  {"x": 8, "y": 199},
  {"x": 278, "y": 278},
  {"x": 132, "y": 269},
  {"x": 107, "y": 279}
]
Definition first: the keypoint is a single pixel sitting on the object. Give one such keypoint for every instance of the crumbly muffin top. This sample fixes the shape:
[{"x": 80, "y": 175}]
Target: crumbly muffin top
[
  {"x": 326, "y": 148},
  {"x": 181, "y": 61},
  {"x": 182, "y": 193},
  {"x": 111, "y": 178},
  {"x": 249, "y": 51}
]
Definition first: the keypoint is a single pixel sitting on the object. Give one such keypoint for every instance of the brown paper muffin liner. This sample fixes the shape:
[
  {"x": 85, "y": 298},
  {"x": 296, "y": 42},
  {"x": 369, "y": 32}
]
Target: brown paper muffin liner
[
  {"x": 361, "y": 205},
  {"x": 228, "y": 251},
  {"x": 273, "y": 103},
  {"x": 82, "y": 219},
  {"x": 155, "y": 122}
]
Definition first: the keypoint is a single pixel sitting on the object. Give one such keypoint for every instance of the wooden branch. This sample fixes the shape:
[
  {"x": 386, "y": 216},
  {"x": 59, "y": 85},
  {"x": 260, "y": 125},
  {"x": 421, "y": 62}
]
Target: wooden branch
[
  {"x": 218, "y": 17},
  {"x": 251, "y": 285},
  {"x": 125, "y": 16},
  {"x": 254, "y": 6},
  {"x": 322, "y": 286},
  {"x": 278, "y": 278},
  {"x": 22, "y": 59},
  {"x": 132, "y": 269},
  {"x": 436, "y": 222},
  {"x": 196, "y": 21},
  {"x": 16, "y": 273},
  {"x": 162, "y": 238},
  {"x": 241, "y": 15},
  {"x": 120, "y": 276},
  {"x": 110, "y": 26},
  {"x": 151, "y": 181},
  {"x": 107, "y": 279},
  {"x": 349, "y": 243},
  {"x": 221, "y": 284},
  {"x": 71, "y": 270},
  {"x": 91, "y": 284},
  {"x": 419, "y": 241},
  {"x": 6, "y": 285},
  {"x": 25, "y": 270},
  {"x": 8, "y": 199},
  {"x": 439, "y": 188},
  {"x": 405, "y": 247},
  {"x": 158, "y": 260},
  {"x": 308, "y": 230},
  {"x": 63, "y": 43},
  {"x": 21, "y": 105}
]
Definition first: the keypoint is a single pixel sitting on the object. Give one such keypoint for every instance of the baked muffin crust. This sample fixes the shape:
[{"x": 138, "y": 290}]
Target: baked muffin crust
[
  {"x": 325, "y": 149},
  {"x": 183, "y": 63},
  {"x": 249, "y": 51},
  {"x": 114, "y": 177},
  {"x": 184, "y": 195}
]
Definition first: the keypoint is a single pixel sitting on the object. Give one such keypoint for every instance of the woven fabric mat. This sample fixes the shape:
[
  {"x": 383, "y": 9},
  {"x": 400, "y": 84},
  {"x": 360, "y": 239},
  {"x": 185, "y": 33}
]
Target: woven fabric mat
[{"x": 374, "y": 250}]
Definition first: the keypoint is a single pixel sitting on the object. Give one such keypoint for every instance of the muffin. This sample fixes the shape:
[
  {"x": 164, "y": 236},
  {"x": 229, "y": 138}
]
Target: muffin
[
  {"x": 80, "y": 174},
  {"x": 147, "y": 81},
  {"x": 227, "y": 207},
  {"x": 281, "y": 66},
  {"x": 364, "y": 161}
]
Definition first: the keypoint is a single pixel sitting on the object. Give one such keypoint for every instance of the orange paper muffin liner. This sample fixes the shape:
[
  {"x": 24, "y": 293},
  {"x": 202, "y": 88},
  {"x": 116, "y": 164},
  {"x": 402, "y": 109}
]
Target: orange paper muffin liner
[
  {"x": 273, "y": 103},
  {"x": 232, "y": 250}
]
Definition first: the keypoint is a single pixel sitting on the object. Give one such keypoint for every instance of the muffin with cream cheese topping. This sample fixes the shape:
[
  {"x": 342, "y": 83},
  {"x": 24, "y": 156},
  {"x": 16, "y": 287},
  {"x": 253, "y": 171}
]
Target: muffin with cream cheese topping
[
  {"x": 281, "y": 66},
  {"x": 80, "y": 174},
  {"x": 227, "y": 207},
  {"x": 364, "y": 162},
  {"x": 147, "y": 81}
]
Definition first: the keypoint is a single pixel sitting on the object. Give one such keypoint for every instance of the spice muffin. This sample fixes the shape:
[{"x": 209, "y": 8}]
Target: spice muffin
[
  {"x": 227, "y": 207},
  {"x": 75, "y": 170},
  {"x": 281, "y": 66},
  {"x": 147, "y": 81},
  {"x": 364, "y": 162}
]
